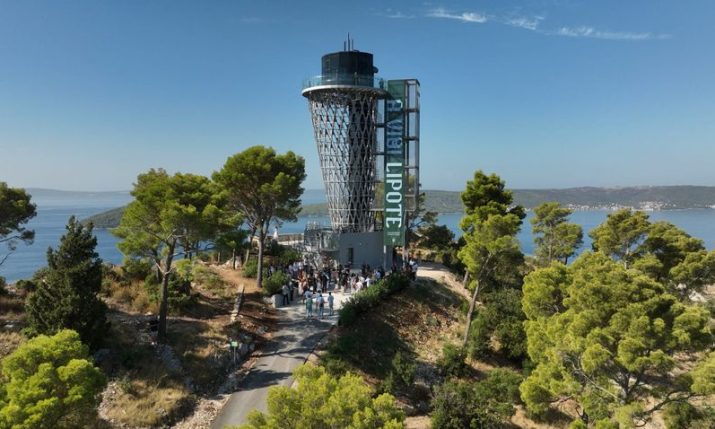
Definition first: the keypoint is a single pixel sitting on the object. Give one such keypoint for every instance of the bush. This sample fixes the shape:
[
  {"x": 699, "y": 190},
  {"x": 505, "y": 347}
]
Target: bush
[
  {"x": 207, "y": 277},
  {"x": 288, "y": 256},
  {"x": 136, "y": 269},
  {"x": 50, "y": 382},
  {"x": 484, "y": 404},
  {"x": 322, "y": 400},
  {"x": 250, "y": 268},
  {"x": 3, "y": 286},
  {"x": 683, "y": 415},
  {"x": 26, "y": 286},
  {"x": 436, "y": 237},
  {"x": 274, "y": 283},
  {"x": 500, "y": 320},
  {"x": 183, "y": 270},
  {"x": 452, "y": 361},
  {"x": 272, "y": 248},
  {"x": 180, "y": 296},
  {"x": 366, "y": 299},
  {"x": 402, "y": 373}
]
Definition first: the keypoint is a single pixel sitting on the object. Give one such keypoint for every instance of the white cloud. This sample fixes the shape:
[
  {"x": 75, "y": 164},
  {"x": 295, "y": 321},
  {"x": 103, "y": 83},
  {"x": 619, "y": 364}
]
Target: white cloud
[
  {"x": 533, "y": 23},
  {"x": 472, "y": 17},
  {"x": 525, "y": 22},
  {"x": 396, "y": 14},
  {"x": 593, "y": 33}
]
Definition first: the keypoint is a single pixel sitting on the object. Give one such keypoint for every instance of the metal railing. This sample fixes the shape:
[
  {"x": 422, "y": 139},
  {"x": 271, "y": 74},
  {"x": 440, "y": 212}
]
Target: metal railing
[{"x": 369, "y": 81}]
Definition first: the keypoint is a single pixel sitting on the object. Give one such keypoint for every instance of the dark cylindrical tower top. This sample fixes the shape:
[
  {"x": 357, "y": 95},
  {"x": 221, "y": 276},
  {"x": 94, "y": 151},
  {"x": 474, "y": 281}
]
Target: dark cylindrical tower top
[
  {"x": 348, "y": 62},
  {"x": 348, "y": 68}
]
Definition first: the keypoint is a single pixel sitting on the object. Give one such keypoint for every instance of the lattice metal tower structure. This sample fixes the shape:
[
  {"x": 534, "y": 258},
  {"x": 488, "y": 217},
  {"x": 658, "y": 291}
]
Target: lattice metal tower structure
[{"x": 343, "y": 103}]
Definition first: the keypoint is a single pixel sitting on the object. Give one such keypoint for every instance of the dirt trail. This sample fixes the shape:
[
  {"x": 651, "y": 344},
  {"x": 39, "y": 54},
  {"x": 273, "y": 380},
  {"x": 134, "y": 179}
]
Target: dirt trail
[{"x": 440, "y": 273}]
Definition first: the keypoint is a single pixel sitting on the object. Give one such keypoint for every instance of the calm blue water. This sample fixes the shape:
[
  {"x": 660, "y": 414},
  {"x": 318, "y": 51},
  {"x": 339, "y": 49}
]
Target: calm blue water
[
  {"x": 699, "y": 223},
  {"x": 53, "y": 214}
]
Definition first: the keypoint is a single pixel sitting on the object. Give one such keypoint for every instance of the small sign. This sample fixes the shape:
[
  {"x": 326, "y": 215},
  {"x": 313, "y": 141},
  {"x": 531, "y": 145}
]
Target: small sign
[{"x": 234, "y": 343}]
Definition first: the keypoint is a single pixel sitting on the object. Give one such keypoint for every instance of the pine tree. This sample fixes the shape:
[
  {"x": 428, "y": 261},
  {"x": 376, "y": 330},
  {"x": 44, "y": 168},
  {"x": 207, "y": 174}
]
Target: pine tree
[{"x": 66, "y": 298}]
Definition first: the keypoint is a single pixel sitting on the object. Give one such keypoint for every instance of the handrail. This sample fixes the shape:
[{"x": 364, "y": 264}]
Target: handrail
[{"x": 369, "y": 81}]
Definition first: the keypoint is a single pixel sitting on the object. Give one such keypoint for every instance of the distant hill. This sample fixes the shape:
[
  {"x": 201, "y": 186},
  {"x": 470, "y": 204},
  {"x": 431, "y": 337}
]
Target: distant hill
[
  {"x": 647, "y": 198},
  {"x": 108, "y": 219},
  {"x": 54, "y": 198}
]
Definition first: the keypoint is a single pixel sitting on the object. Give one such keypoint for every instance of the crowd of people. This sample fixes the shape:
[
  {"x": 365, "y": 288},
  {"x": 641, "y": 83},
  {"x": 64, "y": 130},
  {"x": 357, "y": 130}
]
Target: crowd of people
[{"x": 314, "y": 287}]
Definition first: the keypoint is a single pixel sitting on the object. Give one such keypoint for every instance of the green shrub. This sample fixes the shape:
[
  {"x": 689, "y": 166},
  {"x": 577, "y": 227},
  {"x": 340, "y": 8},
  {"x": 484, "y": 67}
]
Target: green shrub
[
  {"x": 50, "y": 382},
  {"x": 322, "y": 400},
  {"x": 366, "y": 299},
  {"x": 183, "y": 269},
  {"x": 402, "y": 373},
  {"x": 3, "y": 286},
  {"x": 180, "y": 297},
  {"x": 250, "y": 268},
  {"x": 288, "y": 256},
  {"x": 207, "y": 277},
  {"x": 25, "y": 285},
  {"x": 452, "y": 361},
  {"x": 484, "y": 404},
  {"x": 136, "y": 269},
  {"x": 500, "y": 319},
  {"x": 274, "y": 283},
  {"x": 684, "y": 415},
  {"x": 272, "y": 248}
]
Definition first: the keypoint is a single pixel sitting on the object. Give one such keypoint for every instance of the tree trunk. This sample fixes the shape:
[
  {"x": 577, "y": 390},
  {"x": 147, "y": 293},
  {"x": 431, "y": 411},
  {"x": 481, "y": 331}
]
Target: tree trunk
[
  {"x": 164, "y": 301},
  {"x": 466, "y": 278},
  {"x": 261, "y": 240},
  {"x": 233, "y": 257},
  {"x": 159, "y": 274},
  {"x": 472, "y": 303},
  {"x": 250, "y": 244}
]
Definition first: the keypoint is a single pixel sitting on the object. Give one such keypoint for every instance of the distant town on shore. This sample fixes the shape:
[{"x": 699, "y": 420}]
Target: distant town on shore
[{"x": 646, "y": 198}]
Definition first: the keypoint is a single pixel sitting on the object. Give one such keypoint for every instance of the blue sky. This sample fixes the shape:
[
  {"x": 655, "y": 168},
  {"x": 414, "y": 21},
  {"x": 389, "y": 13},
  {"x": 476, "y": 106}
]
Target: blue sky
[{"x": 546, "y": 93}]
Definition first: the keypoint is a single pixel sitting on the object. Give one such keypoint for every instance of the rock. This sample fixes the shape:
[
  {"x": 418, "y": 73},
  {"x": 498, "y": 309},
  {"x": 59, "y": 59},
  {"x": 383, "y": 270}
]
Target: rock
[{"x": 277, "y": 300}]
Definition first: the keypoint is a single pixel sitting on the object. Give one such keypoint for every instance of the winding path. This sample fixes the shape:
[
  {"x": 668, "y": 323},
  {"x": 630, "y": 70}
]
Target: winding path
[{"x": 293, "y": 341}]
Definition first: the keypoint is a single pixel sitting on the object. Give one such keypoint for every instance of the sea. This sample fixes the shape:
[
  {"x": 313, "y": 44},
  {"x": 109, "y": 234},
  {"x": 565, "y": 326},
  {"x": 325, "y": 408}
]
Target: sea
[{"x": 54, "y": 209}]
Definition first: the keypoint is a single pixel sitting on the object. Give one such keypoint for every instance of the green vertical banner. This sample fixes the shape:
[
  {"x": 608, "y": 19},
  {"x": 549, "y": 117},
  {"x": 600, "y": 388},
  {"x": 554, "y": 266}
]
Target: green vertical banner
[{"x": 394, "y": 228}]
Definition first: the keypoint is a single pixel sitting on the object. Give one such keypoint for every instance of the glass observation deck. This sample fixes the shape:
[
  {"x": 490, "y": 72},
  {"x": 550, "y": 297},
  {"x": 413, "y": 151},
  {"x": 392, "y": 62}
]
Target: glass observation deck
[{"x": 367, "y": 81}]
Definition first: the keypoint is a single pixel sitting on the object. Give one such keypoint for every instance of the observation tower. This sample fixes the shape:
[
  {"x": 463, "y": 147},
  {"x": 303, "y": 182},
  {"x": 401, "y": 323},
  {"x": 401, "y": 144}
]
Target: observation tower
[
  {"x": 367, "y": 134},
  {"x": 343, "y": 107}
]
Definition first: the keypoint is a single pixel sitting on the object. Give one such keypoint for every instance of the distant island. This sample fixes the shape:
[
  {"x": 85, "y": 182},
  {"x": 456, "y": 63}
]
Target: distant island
[{"x": 585, "y": 198}]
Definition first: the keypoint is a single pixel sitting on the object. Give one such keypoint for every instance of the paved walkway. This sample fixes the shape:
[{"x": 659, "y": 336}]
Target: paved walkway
[{"x": 290, "y": 346}]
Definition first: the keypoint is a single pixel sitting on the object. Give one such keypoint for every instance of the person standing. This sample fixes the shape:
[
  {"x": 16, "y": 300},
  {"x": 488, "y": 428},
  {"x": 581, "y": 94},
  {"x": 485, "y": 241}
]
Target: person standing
[
  {"x": 331, "y": 299},
  {"x": 308, "y": 306},
  {"x": 285, "y": 291},
  {"x": 321, "y": 306}
]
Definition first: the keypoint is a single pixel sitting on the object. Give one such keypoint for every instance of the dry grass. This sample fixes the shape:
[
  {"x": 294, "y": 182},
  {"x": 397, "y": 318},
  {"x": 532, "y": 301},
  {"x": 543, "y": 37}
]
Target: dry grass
[
  {"x": 9, "y": 342},
  {"x": 143, "y": 392},
  {"x": 148, "y": 402},
  {"x": 128, "y": 296},
  {"x": 12, "y": 307}
]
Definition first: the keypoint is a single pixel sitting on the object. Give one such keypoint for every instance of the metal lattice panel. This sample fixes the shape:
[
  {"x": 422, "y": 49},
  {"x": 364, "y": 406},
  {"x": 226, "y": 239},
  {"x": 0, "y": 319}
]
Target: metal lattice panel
[{"x": 345, "y": 133}]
